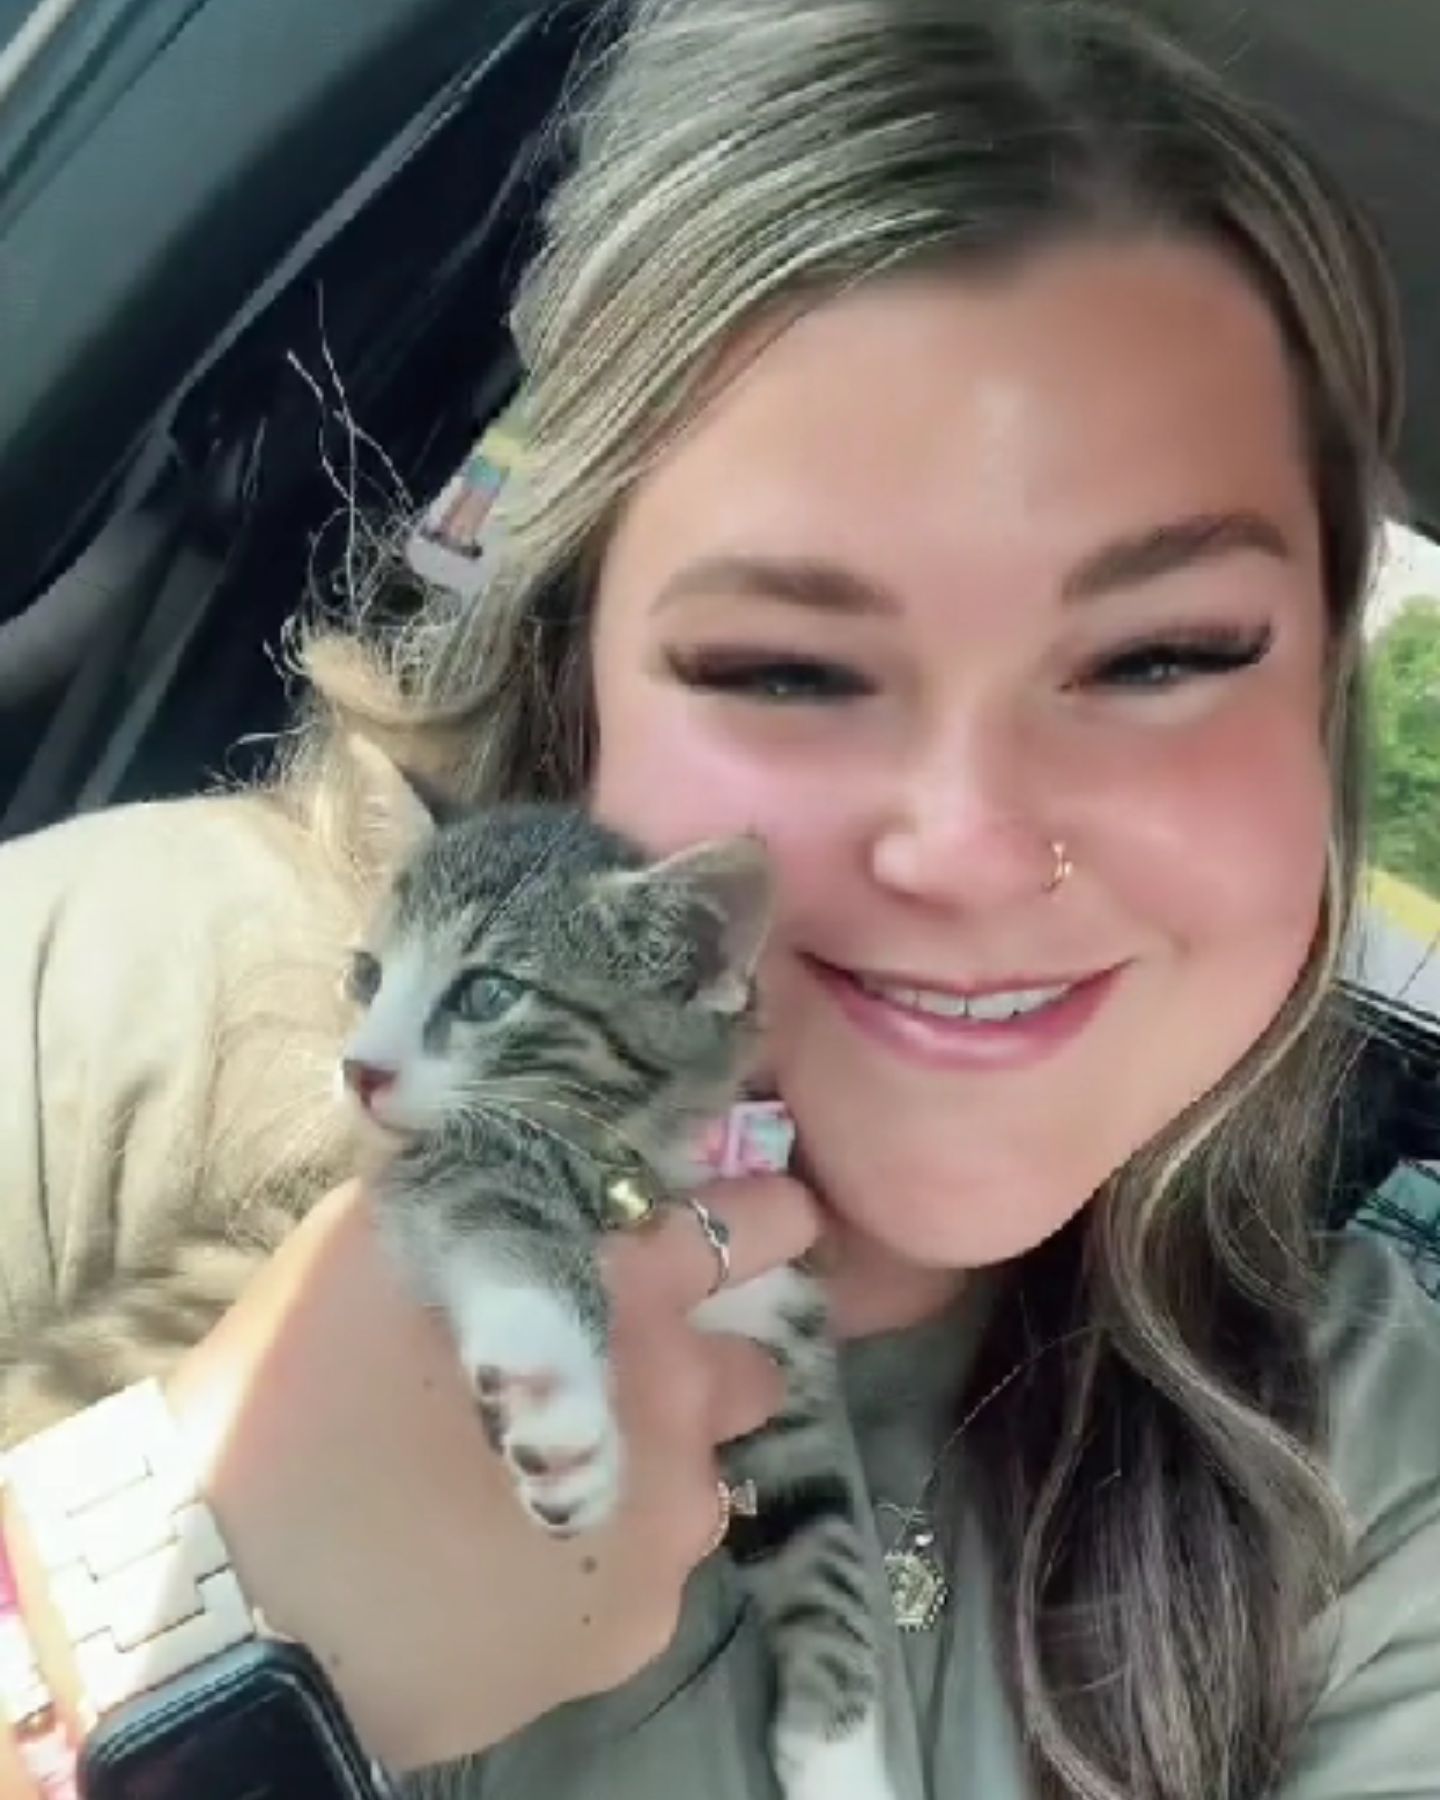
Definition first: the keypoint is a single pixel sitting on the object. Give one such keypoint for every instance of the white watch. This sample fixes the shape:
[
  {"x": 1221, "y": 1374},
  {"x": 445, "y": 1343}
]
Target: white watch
[{"x": 134, "y": 1561}]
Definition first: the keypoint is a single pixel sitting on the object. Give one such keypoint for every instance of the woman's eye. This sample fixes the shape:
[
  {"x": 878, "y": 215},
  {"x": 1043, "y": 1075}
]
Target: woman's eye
[
  {"x": 362, "y": 977},
  {"x": 1168, "y": 662},
  {"x": 760, "y": 676},
  {"x": 483, "y": 996}
]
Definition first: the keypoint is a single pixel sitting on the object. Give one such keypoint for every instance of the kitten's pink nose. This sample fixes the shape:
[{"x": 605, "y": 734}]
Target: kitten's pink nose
[{"x": 365, "y": 1080}]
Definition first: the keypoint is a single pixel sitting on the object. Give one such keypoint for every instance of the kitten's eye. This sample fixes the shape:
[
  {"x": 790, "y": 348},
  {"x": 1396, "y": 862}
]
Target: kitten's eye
[
  {"x": 483, "y": 996},
  {"x": 362, "y": 977}
]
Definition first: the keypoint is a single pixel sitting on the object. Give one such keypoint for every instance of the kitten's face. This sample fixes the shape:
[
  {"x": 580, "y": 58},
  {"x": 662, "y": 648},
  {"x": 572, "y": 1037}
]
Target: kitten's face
[{"x": 528, "y": 953}]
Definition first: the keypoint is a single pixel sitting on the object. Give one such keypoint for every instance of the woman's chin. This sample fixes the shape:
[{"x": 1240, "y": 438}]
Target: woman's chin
[{"x": 938, "y": 1217}]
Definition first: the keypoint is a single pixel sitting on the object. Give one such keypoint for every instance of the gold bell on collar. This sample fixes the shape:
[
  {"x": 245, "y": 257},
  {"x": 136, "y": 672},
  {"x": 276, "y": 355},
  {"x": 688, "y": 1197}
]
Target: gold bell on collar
[{"x": 629, "y": 1202}]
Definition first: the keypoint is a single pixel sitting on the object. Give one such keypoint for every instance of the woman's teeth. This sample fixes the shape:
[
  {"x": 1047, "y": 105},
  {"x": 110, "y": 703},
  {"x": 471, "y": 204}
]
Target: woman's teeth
[{"x": 993, "y": 1008}]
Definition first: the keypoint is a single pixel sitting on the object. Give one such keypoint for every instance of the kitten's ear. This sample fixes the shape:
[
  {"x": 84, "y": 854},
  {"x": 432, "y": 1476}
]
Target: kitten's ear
[
  {"x": 394, "y": 820},
  {"x": 726, "y": 886}
]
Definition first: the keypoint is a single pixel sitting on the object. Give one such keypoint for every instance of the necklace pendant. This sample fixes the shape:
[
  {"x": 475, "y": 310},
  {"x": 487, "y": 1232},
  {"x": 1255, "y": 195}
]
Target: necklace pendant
[{"x": 918, "y": 1588}]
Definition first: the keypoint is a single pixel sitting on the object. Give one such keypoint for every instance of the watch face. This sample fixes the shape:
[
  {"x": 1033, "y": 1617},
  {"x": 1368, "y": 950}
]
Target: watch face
[
  {"x": 259, "y": 1750},
  {"x": 261, "y": 1724}
]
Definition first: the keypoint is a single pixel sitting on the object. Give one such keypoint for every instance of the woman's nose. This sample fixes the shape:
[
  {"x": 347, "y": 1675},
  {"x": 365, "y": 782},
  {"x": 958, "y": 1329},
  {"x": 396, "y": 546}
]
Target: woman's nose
[{"x": 964, "y": 826}]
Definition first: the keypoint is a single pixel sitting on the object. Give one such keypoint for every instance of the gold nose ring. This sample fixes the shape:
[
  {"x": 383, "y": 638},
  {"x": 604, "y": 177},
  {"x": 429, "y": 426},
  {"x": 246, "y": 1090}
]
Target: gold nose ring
[{"x": 1063, "y": 867}]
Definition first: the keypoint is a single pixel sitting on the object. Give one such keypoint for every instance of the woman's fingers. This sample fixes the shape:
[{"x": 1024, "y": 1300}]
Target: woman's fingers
[
  {"x": 683, "y": 1394},
  {"x": 670, "y": 1262}
]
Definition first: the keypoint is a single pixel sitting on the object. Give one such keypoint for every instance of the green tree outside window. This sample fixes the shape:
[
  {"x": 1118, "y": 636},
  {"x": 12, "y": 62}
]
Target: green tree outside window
[{"x": 1405, "y": 722}]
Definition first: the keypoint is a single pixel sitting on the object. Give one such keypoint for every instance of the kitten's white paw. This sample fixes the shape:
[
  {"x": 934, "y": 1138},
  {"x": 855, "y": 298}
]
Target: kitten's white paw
[
  {"x": 564, "y": 1452},
  {"x": 848, "y": 1768},
  {"x": 542, "y": 1392},
  {"x": 759, "y": 1308}
]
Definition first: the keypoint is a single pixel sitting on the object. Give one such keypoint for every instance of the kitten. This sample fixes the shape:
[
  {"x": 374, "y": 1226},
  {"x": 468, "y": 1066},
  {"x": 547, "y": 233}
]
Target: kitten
[{"x": 544, "y": 1011}]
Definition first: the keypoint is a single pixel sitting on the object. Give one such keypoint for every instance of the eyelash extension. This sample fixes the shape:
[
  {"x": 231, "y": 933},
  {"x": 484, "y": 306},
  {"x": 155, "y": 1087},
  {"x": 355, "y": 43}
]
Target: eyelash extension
[
  {"x": 766, "y": 675},
  {"x": 1151, "y": 664},
  {"x": 1165, "y": 662}
]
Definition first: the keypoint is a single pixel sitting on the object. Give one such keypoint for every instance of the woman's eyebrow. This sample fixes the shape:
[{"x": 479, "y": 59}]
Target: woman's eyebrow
[
  {"x": 1166, "y": 549},
  {"x": 821, "y": 586},
  {"x": 1122, "y": 563}
]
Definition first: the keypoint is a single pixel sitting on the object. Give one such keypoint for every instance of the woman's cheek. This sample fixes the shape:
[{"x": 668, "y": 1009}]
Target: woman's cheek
[
  {"x": 670, "y": 778},
  {"x": 1216, "y": 830}
]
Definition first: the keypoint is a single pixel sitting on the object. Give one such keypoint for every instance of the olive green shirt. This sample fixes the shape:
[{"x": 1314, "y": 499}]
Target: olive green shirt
[{"x": 168, "y": 1016}]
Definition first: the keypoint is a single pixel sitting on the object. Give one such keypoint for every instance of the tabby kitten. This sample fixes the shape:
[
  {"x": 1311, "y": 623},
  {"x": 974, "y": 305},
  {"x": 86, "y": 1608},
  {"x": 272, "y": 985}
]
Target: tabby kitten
[{"x": 544, "y": 1011}]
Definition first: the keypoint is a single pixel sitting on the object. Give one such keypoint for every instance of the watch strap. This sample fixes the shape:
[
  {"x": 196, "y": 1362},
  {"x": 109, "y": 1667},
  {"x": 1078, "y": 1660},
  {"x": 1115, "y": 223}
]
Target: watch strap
[{"x": 134, "y": 1561}]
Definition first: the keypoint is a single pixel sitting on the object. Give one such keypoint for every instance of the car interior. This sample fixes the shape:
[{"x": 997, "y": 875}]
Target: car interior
[{"x": 254, "y": 268}]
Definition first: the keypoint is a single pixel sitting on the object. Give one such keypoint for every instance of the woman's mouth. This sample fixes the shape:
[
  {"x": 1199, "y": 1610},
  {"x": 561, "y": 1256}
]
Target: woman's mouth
[{"x": 991, "y": 1027}]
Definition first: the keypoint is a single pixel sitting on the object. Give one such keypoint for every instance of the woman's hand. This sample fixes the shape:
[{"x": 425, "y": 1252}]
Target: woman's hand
[{"x": 348, "y": 1469}]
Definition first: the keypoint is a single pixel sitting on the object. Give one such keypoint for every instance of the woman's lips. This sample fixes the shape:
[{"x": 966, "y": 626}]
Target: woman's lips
[{"x": 939, "y": 1041}]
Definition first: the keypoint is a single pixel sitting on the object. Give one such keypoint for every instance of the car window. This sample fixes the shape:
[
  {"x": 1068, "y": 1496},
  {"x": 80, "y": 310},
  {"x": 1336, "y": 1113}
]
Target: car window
[{"x": 1400, "y": 951}]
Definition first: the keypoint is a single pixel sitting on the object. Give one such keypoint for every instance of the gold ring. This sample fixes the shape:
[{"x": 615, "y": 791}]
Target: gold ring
[
  {"x": 1063, "y": 868},
  {"x": 717, "y": 1236},
  {"x": 738, "y": 1500}
]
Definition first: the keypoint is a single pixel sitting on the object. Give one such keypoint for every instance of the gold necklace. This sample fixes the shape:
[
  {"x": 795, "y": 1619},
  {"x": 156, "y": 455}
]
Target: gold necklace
[
  {"x": 913, "y": 1570},
  {"x": 914, "y": 1574}
]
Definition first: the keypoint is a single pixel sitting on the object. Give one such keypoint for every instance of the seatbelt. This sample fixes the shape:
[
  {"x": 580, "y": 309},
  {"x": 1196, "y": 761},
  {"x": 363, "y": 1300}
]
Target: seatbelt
[
  {"x": 90, "y": 615},
  {"x": 36, "y": 32}
]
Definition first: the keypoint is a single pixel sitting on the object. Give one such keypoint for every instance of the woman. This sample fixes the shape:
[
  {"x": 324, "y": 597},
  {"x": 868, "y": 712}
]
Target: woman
[{"x": 955, "y": 451}]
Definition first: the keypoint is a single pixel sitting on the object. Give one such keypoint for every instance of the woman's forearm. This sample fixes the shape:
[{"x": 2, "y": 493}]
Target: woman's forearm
[{"x": 287, "y": 1411}]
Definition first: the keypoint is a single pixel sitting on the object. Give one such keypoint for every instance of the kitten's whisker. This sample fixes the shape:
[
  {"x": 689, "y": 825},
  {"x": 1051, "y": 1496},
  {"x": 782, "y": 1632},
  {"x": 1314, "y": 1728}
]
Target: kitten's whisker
[
  {"x": 552, "y": 1094},
  {"x": 496, "y": 1108},
  {"x": 514, "y": 1116},
  {"x": 547, "y": 1088},
  {"x": 549, "y": 1098}
]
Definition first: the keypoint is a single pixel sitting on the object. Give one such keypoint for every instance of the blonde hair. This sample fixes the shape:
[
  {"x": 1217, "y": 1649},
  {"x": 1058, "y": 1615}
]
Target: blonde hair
[{"x": 1154, "y": 1486}]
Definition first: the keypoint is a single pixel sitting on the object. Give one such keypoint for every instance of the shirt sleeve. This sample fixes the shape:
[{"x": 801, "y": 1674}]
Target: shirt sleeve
[
  {"x": 169, "y": 1010},
  {"x": 1374, "y": 1733}
]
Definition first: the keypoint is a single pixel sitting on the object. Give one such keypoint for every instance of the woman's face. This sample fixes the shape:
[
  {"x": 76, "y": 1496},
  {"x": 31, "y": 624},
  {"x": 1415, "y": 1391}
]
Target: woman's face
[{"x": 961, "y": 578}]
